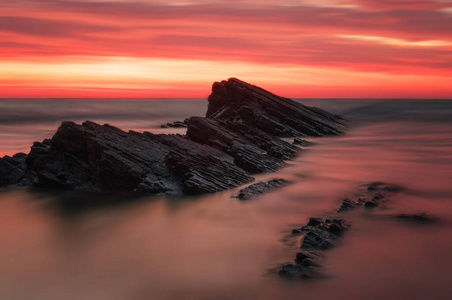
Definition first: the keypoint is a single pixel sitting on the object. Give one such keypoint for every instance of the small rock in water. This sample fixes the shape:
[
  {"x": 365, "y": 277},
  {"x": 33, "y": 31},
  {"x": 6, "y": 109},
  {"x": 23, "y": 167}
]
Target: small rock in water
[
  {"x": 315, "y": 221},
  {"x": 370, "y": 204},
  {"x": 260, "y": 188},
  {"x": 321, "y": 235},
  {"x": 301, "y": 142},
  {"x": 176, "y": 124},
  {"x": 420, "y": 217}
]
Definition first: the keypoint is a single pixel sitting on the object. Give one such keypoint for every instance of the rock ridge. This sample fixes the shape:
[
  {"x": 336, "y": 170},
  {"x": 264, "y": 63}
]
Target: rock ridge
[{"x": 239, "y": 136}]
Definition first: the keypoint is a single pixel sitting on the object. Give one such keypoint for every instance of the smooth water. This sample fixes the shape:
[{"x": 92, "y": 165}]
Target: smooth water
[{"x": 77, "y": 246}]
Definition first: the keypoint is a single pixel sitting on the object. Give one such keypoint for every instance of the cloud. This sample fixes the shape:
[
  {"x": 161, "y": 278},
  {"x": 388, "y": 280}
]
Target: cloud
[{"x": 387, "y": 37}]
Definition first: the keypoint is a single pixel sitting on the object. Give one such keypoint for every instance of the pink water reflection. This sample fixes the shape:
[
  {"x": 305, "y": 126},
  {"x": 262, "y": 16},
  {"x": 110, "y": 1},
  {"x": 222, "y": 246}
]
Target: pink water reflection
[{"x": 215, "y": 247}]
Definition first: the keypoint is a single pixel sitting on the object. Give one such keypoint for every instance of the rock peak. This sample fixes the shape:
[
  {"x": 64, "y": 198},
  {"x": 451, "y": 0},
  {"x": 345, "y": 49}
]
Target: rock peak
[
  {"x": 238, "y": 101},
  {"x": 239, "y": 137}
]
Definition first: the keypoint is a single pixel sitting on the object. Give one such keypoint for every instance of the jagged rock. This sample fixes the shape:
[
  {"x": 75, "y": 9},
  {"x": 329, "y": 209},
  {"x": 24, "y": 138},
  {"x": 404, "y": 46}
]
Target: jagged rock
[
  {"x": 347, "y": 204},
  {"x": 12, "y": 169},
  {"x": 370, "y": 204},
  {"x": 95, "y": 157},
  {"x": 237, "y": 101},
  {"x": 253, "y": 150},
  {"x": 176, "y": 124},
  {"x": 321, "y": 235},
  {"x": 420, "y": 217},
  {"x": 374, "y": 194},
  {"x": 238, "y": 137},
  {"x": 260, "y": 188},
  {"x": 314, "y": 222},
  {"x": 301, "y": 142}
]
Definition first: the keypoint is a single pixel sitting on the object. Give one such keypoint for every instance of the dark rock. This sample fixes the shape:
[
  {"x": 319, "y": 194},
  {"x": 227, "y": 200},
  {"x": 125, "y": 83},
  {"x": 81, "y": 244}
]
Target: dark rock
[
  {"x": 370, "y": 205},
  {"x": 375, "y": 193},
  {"x": 308, "y": 262},
  {"x": 95, "y": 157},
  {"x": 239, "y": 136},
  {"x": 301, "y": 256},
  {"x": 420, "y": 217},
  {"x": 297, "y": 231},
  {"x": 347, "y": 205},
  {"x": 382, "y": 186},
  {"x": 336, "y": 229},
  {"x": 13, "y": 169},
  {"x": 378, "y": 196},
  {"x": 315, "y": 221},
  {"x": 260, "y": 188},
  {"x": 176, "y": 124},
  {"x": 321, "y": 236},
  {"x": 253, "y": 150},
  {"x": 301, "y": 142},
  {"x": 295, "y": 271},
  {"x": 237, "y": 101}
]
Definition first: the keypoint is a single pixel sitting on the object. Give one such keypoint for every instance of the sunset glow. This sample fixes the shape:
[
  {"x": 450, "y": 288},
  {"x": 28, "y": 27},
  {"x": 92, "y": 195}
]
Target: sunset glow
[{"x": 120, "y": 48}]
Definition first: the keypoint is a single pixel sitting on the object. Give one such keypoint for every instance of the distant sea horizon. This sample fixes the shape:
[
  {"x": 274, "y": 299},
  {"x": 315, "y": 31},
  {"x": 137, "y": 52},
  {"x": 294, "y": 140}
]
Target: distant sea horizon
[{"x": 25, "y": 120}]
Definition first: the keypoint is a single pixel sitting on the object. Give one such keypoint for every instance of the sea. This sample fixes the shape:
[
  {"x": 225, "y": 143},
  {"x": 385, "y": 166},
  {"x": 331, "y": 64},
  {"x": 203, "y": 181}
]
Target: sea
[{"x": 67, "y": 245}]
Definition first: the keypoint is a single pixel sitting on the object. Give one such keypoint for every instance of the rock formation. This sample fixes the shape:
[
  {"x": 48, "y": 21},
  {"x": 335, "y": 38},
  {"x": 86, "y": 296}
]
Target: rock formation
[
  {"x": 239, "y": 137},
  {"x": 320, "y": 235},
  {"x": 259, "y": 188},
  {"x": 373, "y": 195}
]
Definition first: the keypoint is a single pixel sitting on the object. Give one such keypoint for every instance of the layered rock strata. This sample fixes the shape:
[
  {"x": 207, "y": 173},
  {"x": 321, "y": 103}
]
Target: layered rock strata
[{"x": 238, "y": 137}]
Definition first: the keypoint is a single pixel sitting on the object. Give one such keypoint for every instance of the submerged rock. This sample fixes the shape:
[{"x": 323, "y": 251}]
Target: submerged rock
[
  {"x": 260, "y": 188},
  {"x": 321, "y": 235},
  {"x": 12, "y": 169},
  {"x": 239, "y": 137},
  {"x": 373, "y": 195},
  {"x": 419, "y": 217},
  {"x": 176, "y": 124},
  {"x": 301, "y": 142},
  {"x": 95, "y": 157}
]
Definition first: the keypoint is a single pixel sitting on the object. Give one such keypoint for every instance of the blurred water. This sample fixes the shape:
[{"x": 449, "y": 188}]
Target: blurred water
[
  {"x": 23, "y": 121},
  {"x": 57, "y": 246}
]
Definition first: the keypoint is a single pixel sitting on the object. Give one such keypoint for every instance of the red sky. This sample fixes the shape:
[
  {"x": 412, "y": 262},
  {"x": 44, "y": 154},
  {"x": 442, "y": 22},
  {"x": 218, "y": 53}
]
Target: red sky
[{"x": 300, "y": 48}]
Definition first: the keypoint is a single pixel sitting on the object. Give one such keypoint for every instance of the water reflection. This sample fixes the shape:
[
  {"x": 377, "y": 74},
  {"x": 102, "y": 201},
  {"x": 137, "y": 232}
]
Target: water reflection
[{"x": 64, "y": 246}]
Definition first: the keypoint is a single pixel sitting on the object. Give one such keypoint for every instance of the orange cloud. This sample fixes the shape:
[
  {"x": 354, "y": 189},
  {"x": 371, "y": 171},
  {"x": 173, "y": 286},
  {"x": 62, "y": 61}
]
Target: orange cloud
[{"x": 328, "y": 48}]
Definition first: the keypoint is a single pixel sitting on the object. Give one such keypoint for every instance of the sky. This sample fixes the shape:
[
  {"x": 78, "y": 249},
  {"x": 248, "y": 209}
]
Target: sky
[{"x": 299, "y": 49}]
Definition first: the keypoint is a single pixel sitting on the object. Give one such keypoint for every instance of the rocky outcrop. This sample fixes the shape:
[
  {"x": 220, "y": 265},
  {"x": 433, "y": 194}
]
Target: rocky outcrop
[
  {"x": 175, "y": 124},
  {"x": 237, "y": 101},
  {"x": 12, "y": 169},
  {"x": 218, "y": 152},
  {"x": 319, "y": 235},
  {"x": 253, "y": 150},
  {"x": 260, "y": 188},
  {"x": 371, "y": 196},
  {"x": 417, "y": 218},
  {"x": 95, "y": 157},
  {"x": 301, "y": 142}
]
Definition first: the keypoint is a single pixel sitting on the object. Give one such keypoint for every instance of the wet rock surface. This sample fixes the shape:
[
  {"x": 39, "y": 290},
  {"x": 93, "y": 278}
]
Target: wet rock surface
[
  {"x": 301, "y": 142},
  {"x": 417, "y": 218},
  {"x": 371, "y": 196},
  {"x": 259, "y": 188},
  {"x": 239, "y": 137},
  {"x": 319, "y": 235},
  {"x": 237, "y": 101},
  {"x": 176, "y": 124}
]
